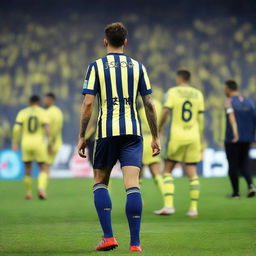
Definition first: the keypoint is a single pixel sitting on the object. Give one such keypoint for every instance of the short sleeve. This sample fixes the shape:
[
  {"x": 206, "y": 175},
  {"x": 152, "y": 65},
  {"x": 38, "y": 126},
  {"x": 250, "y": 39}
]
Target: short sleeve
[
  {"x": 20, "y": 118},
  {"x": 201, "y": 104},
  {"x": 144, "y": 83},
  {"x": 228, "y": 106},
  {"x": 91, "y": 82},
  {"x": 169, "y": 99}
]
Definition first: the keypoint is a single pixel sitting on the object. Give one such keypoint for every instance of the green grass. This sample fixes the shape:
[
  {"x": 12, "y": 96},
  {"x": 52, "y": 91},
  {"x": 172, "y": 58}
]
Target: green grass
[{"x": 66, "y": 223}]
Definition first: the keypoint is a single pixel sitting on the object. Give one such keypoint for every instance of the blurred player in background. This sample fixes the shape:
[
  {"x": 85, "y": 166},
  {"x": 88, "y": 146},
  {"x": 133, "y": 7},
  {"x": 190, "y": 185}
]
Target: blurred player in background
[
  {"x": 240, "y": 133},
  {"x": 185, "y": 139},
  {"x": 32, "y": 126},
  {"x": 153, "y": 163},
  {"x": 55, "y": 117},
  {"x": 117, "y": 79}
]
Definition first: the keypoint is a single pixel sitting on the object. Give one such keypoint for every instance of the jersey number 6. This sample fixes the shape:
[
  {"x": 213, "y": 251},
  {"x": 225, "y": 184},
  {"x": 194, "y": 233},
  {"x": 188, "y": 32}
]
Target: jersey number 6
[{"x": 186, "y": 114}]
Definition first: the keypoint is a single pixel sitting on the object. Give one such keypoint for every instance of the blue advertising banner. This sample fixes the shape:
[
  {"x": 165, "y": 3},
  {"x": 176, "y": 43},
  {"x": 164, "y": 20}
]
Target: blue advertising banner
[{"x": 11, "y": 166}]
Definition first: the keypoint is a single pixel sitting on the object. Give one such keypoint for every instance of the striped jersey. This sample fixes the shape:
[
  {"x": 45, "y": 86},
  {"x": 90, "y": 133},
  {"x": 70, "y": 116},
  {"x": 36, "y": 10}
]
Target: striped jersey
[{"x": 117, "y": 79}]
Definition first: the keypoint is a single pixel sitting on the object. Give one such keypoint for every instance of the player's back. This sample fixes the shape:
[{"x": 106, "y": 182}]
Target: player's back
[
  {"x": 117, "y": 79},
  {"x": 55, "y": 117},
  {"x": 32, "y": 119},
  {"x": 186, "y": 103}
]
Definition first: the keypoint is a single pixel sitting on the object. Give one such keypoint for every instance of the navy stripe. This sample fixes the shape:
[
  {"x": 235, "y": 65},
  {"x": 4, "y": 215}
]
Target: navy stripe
[
  {"x": 100, "y": 119},
  {"x": 89, "y": 91},
  {"x": 119, "y": 88},
  {"x": 89, "y": 71},
  {"x": 109, "y": 98},
  {"x": 142, "y": 83},
  {"x": 96, "y": 85},
  {"x": 99, "y": 101},
  {"x": 131, "y": 93},
  {"x": 138, "y": 116}
]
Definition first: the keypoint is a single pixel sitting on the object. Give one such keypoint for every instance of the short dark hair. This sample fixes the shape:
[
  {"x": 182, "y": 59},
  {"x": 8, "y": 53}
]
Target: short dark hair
[
  {"x": 184, "y": 74},
  {"x": 232, "y": 85},
  {"x": 34, "y": 99},
  {"x": 50, "y": 95},
  {"x": 116, "y": 33}
]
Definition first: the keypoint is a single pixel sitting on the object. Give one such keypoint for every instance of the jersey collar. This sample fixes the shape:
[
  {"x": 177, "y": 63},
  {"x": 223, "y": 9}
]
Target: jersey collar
[{"x": 115, "y": 53}]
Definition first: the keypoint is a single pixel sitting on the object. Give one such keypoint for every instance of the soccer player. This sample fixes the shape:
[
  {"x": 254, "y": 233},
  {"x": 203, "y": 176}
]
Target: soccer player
[
  {"x": 153, "y": 162},
  {"x": 32, "y": 126},
  {"x": 185, "y": 139},
  {"x": 240, "y": 133},
  {"x": 55, "y": 117},
  {"x": 117, "y": 79}
]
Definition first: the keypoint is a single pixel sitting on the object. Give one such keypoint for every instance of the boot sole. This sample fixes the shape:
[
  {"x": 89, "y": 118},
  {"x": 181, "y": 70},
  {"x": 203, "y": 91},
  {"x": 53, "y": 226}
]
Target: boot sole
[{"x": 108, "y": 248}]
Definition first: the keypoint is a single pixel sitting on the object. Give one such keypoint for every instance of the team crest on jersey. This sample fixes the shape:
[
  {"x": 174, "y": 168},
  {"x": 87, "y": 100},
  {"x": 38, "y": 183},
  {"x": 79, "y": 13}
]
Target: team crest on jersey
[{"x": 85, "y": 84}]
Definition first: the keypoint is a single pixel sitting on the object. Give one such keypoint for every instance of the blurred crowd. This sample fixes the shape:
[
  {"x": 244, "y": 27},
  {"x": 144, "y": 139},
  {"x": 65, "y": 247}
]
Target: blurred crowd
[{"x": 38, "y": 56}]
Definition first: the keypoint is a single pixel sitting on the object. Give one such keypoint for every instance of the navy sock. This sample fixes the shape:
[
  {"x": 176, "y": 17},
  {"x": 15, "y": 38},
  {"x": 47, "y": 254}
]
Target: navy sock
[
  {"x": 103, "y": 206},
  {"x": 133, "y": 213}
]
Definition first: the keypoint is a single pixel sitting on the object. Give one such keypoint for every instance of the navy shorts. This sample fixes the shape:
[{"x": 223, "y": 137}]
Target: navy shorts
[{"x": 127, "y": 149}]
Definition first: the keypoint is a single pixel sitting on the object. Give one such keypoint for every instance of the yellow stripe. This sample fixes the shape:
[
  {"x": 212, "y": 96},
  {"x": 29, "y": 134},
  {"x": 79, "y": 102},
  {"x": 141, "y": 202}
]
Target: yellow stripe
[
  {"x": 146, "y": 78},
  {"x": 136, "y": 75},
  {"x": 115, "y": 115},
  {"x": 124, "y": 75},
  {"x": 103, "y": 97},
  {"x": 91, "y": 81}
]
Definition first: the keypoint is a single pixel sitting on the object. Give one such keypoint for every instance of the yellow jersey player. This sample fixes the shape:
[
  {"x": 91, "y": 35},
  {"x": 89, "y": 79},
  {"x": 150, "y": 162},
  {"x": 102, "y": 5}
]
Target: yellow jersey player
[
  {"x": 55, "y": 117},
  {"x": 185, "y": 139},
  {"x": 32, "y": 127},
  {"x": 147, "y": 159}
]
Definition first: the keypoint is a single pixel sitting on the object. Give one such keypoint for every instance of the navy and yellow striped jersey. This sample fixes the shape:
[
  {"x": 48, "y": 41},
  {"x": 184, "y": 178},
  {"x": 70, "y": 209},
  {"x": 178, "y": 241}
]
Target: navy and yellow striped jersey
[{"x": 117, "y": 79}]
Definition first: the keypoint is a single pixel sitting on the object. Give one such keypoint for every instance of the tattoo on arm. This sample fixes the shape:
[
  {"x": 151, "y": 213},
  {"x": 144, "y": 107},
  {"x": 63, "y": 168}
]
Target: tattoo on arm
[
  {"x": 83, "y": 126},
  {"x": 151, "y": 114},
  {"x": 85, "y": 117}
]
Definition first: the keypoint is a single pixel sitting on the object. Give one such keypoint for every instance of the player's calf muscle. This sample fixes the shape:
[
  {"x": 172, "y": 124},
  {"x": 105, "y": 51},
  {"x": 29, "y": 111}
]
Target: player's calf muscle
[{"x": 131, "y": 176}]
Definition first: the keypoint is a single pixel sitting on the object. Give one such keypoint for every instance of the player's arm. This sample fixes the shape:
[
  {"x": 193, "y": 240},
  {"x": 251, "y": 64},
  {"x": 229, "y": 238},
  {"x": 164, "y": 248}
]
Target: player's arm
[
  {"x": 90, "y": 89},
  {"x": 16, "y": 133},
  {"x": 232, "y": 120},
  {"x": 233, "y": 123},
  {"x": 145, "y": 92},
  {"x": 16, "y": 136},
  {"x": 152, "y": 122},
  {"x": 91, "y": 128},
  {"x": 201, "y": 119},
  {"x": 48, "y": 130},
  {"x": 86, "y": 112}
]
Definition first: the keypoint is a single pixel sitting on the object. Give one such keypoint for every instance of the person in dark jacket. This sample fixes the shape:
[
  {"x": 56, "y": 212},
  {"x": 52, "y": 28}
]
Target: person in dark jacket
[{"x": 240, "y": 133}]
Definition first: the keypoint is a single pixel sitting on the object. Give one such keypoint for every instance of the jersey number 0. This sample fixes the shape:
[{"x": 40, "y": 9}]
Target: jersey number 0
[{"x": 32, "y": 124}]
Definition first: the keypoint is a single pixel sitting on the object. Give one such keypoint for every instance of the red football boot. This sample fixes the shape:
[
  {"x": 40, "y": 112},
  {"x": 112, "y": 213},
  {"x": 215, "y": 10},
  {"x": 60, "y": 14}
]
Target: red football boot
[
  {"x": 135, "y": 248},
  {"x": 41, "y": 195},
  {"x": 107, "y": 244},
  {"x": 28, "y": 196}
]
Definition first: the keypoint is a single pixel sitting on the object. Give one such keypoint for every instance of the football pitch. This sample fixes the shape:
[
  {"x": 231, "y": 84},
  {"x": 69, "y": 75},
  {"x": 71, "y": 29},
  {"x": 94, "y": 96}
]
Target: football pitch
[{"x": 66, "y": 223}]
